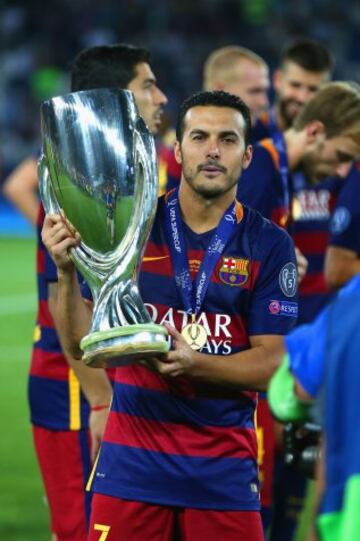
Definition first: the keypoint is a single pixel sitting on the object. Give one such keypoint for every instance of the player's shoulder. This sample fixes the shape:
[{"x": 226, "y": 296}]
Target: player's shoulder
[
  {"x": 263, "y": 231},
  {"x": 261, "y": 130},
  {"x": 267, "y": 152}
]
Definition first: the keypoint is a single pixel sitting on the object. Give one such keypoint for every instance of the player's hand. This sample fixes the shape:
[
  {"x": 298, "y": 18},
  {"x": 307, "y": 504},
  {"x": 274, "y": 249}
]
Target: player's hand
[
  {"x": 97, "y": 422},
  {"x": 58, "y": 235},
  {"x": 180, "y": 361},
  {"x": 301, "y": 263}
]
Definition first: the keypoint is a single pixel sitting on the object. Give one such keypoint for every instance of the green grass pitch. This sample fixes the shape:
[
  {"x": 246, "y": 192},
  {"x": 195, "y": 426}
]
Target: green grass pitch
[{"x": 23, "y": 512}]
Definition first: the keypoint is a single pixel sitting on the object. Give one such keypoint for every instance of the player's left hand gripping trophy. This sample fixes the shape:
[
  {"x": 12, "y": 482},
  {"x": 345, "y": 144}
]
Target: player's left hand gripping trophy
[{"x": 99, "y": 168}]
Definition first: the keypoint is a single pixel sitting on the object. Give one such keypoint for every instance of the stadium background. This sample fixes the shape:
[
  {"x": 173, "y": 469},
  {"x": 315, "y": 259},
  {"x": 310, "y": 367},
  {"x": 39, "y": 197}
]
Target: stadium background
[{"x": 37, "y": 42}]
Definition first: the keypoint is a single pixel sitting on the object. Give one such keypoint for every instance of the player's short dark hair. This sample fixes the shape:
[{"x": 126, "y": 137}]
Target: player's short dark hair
[
  {"x": 309, "y": 55},
  {"x": 337, "y": 106},
  {"x": 216, "y": 98},
  {"x": 106, "y": 66}
]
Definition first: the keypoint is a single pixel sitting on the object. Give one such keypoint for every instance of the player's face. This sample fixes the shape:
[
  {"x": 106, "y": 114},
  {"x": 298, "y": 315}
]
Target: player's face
[
  {"x": 149, "y": 98},
  {"x": 251, "y": 83},
  {"x": 212, "y": 151},
  {"x": 330, "y": 157},
  {"x": 294, "y": 87}
]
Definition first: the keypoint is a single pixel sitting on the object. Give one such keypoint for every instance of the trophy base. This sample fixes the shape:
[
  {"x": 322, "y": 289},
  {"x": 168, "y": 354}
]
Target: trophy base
[{"x": 124, "y": 345}]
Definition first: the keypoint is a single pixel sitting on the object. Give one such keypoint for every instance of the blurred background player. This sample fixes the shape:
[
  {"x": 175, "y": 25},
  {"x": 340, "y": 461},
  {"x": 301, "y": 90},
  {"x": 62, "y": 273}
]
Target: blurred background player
[
  {"x": 59, "y": 412},
  {"x": 314, "y": 148},
  {"x": 21, "y": 188},
  {"x": 343, "y": 253},
  {"x": 242, "y": 72},
  {"x": 305, "y": 66}
]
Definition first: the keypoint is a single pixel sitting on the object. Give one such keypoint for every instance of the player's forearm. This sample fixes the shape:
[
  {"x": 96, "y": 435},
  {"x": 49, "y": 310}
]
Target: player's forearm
[
  {"x": 21, "y": 189},
  {"x": 250, "y": 369},
  {"x": 72, "y": 314},
  {"x": 94, "y": 383},
  {"x": 340, "y": 266},
  {"x": 26, "y": 202}
]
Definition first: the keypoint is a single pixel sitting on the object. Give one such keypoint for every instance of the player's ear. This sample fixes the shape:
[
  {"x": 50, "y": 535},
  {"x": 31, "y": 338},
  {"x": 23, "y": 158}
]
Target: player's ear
[
  {"x": 277, "y": 79},
  {"x": 247, "y": 157},
  {"x": 177, "y": 152},
  {"x": 315, "y": 131}
]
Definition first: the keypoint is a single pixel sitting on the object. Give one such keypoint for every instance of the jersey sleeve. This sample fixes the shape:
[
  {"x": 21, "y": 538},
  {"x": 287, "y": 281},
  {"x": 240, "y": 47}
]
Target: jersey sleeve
[
  {"x": 306, "y": 349},
  {"x": 85, "y": 290},
  {"x": 50, "y": 268},
  {"x": 345, "y": 221},
  {"x": 274, "y": 303}
]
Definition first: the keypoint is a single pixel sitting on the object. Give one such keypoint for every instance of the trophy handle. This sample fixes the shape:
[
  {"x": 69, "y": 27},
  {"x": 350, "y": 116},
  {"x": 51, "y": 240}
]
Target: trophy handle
[
  {"x": 47, "y": 195},
  {"x": 51, "y": 206}
]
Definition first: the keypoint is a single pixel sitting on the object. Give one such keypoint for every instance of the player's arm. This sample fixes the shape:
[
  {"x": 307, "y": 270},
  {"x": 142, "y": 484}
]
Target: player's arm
[
  {"x": 73, "y": 316},
  {"x": 250, "y": 369},
  {"x": 341, "y": 264},
  {"x": 301, "y": 263},
  {"x": 21, "y": 189},
  {"x": 94, "y": 383}
]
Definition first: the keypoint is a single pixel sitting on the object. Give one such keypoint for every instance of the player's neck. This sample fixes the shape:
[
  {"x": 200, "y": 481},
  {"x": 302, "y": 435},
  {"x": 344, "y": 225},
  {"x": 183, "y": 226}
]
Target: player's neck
[
  {"x": 201, "y": 214},
  {"x": 294, "y": 146},
  {"x": 280, "y": 121}
]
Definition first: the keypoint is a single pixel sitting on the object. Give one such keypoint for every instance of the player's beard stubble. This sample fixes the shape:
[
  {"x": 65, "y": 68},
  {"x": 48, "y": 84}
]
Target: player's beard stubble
[{"x": 209, "y": 188}]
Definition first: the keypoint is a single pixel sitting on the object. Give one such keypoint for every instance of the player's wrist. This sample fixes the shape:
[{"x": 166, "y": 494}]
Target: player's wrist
[
  {"x": 66, "y": 272},
  {"x": 100, "y": 407},
  {"x": 199, "y": 365},
  {"x": 100, "y": 401}
]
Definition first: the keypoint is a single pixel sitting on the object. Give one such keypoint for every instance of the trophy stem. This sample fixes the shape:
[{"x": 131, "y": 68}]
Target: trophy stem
[{"x": 123, "y": 345}]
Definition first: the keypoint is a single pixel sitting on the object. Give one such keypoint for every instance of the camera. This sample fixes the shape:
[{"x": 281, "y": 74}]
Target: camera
[{"x": 301, "y": 443}]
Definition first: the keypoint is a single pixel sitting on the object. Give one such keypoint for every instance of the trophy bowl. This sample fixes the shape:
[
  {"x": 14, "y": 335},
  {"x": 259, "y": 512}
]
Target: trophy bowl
[{"x": 99, "y": 168}]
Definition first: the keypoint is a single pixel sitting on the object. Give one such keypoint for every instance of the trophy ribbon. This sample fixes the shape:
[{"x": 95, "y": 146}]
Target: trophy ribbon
[{"x": 193, "y": 292}]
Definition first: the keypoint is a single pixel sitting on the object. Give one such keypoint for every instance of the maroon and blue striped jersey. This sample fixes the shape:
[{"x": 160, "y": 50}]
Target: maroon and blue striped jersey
[
  {"x": 312, "y": 207},
  {"x": 169, "y": 169},
  {"x": 261, "y": 184},
  {"x": 345, "y": 222},
  {"x": 181, "y": 441},
  {"x": 55, "y": 399},
  {"x": 261, "y": 128}
]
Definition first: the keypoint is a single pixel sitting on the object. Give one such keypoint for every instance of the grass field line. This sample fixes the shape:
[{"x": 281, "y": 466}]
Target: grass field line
[{"x": 17, "y": 304}]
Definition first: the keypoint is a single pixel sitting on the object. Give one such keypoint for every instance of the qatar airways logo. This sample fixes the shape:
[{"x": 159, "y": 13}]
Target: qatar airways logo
[
  {"x": 219, "y": 340},
  {"x": 311, "y": 205},
  {"x": 174, "y": 229}
]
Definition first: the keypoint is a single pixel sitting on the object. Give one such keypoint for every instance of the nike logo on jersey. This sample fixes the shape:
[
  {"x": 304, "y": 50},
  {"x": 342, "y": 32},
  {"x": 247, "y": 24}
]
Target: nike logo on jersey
[{"x": 146, "y": 259}]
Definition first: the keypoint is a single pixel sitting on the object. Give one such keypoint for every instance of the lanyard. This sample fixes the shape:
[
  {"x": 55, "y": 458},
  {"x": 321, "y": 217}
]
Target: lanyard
[
  {"x": 279, "y": 142},
  {"x": 193, "y": 293},
  {"x": 280, "y": 146}
]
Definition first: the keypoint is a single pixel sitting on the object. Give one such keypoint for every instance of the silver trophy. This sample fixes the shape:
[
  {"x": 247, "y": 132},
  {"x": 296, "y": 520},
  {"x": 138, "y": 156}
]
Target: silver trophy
[{"x": 99, "y": 168}]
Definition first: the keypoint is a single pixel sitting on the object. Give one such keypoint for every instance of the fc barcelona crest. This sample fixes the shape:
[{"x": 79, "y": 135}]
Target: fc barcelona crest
[{"x": 234, "y": 271}]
